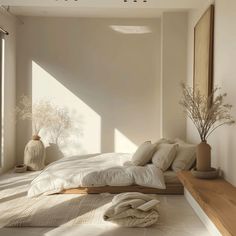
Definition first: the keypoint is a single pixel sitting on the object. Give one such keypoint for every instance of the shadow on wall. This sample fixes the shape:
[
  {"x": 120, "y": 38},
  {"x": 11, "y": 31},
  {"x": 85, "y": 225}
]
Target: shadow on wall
[
  {"x": 108, "y": 80},
  {"x": 53, "y": 153},
  {"x": 85, "y": 136}
]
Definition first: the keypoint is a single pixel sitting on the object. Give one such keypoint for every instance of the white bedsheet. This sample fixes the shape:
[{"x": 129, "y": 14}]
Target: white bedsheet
[{"x": 94, "y": 171}]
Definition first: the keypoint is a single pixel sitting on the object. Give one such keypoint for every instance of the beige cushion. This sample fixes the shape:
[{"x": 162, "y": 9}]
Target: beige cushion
[
  {"x": 185, "y": 157},
  {"x": 144, "y": 153},
  {"x": 164, "y": 156},
  {"x": 164, "y": 140},
  {"x": 179, "y": 141}
]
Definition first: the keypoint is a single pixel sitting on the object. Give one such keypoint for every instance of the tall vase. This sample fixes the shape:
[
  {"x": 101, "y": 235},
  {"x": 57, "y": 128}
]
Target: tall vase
[
  {"x": 203, "y": 157},
  {"x": 34, "y": 155}
]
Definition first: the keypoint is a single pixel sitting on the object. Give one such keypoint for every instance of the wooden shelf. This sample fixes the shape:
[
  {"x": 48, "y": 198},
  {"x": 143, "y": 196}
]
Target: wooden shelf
[{"x": 217, "y": 198}]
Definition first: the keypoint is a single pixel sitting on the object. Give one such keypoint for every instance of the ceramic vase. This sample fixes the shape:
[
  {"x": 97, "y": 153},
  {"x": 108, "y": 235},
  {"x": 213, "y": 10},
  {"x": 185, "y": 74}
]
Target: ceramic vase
[
  {"x": 34, "y": 155},
  {"x": 203, "y": 157}
]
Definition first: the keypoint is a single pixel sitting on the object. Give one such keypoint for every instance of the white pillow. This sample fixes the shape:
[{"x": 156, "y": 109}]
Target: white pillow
[
  {"x": 164, "y": 156},
  {"x": 185, "y": 157},
  {"x": 144, "y": 153}
]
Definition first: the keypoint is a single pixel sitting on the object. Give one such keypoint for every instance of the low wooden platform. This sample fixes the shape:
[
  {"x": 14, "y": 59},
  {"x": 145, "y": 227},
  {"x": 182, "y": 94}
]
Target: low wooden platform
[
  {"x": 217, "y": 198},
  {"x": 171, "y": 189}
]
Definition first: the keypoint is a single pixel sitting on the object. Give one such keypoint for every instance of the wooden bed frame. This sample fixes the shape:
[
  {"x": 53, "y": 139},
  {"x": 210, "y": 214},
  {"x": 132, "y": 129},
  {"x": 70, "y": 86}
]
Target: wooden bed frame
[{"x": 171, "y": 189}]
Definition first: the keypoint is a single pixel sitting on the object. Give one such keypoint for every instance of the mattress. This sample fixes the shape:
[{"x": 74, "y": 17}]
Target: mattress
[
  {"x": 173, "y": 187},
  {"x": 170, "y": 177}
]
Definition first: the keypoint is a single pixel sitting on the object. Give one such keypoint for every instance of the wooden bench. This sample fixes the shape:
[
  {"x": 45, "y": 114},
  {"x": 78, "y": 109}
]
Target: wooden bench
[{"x": 217, "y": 198}]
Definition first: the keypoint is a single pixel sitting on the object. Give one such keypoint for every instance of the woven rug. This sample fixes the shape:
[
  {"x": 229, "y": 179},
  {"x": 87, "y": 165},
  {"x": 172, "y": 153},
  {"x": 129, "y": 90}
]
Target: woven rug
[
  {"x": 55, "y": 210},
  {"x": 17, "y": 210}
]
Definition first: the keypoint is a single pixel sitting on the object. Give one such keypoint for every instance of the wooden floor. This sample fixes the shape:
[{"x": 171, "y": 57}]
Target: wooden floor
[
  {"x": 171, "y": 189},
  {"x": 216, "y": 197}
]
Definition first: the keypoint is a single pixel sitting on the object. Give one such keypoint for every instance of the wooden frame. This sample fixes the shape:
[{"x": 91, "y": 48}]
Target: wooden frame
[
  {"x": 203, "y": 53},
  {"x": 171, "y": 188}
]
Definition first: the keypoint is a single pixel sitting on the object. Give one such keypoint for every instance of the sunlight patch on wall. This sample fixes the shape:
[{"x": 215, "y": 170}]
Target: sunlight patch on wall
[
  {"x": 131, "y": 29},
  {"x": 86, "y": 136},
  {"x": 123, "y": 144}
]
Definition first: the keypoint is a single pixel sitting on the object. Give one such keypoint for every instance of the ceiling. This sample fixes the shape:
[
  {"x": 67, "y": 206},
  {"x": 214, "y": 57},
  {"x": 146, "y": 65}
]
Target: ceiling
[
  {"x": 86, "y": 12},
  {"x": 99, "y": 8}
]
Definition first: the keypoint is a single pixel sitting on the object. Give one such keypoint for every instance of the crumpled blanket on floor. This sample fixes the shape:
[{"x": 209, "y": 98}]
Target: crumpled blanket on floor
[{"x": 133, "y": 210}]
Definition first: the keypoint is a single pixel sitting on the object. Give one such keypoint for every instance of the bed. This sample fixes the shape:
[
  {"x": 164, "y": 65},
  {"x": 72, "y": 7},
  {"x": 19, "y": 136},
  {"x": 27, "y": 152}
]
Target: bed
[
  {"x": 99, "y": 173},
  {"x": 173, "y": 187}
]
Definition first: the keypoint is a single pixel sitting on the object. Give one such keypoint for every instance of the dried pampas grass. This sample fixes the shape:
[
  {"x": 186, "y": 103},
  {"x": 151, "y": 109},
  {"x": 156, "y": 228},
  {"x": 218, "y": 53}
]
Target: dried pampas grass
[{"x": 206, "y": 113}]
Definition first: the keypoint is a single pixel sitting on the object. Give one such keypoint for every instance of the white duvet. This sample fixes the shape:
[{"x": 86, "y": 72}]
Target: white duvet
[{"x": 94, "y": 171}]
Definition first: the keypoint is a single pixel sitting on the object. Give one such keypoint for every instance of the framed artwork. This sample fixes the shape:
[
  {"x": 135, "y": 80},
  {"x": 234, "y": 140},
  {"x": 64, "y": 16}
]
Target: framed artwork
[{"x": 203, "y": 52}]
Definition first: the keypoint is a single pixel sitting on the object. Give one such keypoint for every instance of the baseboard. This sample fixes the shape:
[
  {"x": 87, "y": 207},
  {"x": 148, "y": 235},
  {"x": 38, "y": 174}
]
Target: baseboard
[{"x": 201, "y": 214}]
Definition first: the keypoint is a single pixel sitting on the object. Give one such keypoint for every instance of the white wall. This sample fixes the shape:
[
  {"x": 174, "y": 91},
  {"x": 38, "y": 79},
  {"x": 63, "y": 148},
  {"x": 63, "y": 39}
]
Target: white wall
[
  {"x": 8, "y": 152},
  {"x": 174, "y": 61},
  {"x": 111, "y": 80},
  {"x": 223, "y": 140}
]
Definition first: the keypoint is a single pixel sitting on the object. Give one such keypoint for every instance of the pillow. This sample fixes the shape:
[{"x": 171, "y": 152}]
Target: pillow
[
  {"x": 185, "y": 157},
  {"x": 165, "y": 155},
  {"x": 163, "y": 140},
  {"x": 179, "y": 141},
  {"x": 144, "y": 153}
]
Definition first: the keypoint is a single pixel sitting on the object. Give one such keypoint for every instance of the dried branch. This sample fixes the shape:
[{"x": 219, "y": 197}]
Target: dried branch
[
  {"x": 206, "y": 113},
  {"x": 44, "y": 115}
]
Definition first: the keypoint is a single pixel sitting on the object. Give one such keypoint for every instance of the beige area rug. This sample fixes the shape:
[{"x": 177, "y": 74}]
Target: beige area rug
[
  {"x": 17, "y": 210},
  {"x": 56, "y": 210}
]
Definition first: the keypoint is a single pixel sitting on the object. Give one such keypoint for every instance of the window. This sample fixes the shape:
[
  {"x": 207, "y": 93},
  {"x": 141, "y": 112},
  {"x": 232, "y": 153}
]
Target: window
[
  {"x": 1, "y": 75},
  {"x": 2, "y": 52}
]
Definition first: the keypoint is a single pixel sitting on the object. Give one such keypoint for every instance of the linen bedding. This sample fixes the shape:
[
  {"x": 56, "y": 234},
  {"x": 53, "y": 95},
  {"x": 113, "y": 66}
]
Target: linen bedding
[{"x": 95, "y": 171}]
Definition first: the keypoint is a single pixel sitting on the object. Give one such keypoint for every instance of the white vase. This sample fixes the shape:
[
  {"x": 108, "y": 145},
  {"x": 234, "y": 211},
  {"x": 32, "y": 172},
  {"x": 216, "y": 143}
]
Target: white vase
[{"x": 34, "y": 155}]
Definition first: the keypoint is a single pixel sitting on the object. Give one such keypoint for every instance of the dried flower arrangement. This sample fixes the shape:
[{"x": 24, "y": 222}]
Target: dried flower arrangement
[
  {"x": 44, "y": 115},
  {"x": 206, "y": 113}
]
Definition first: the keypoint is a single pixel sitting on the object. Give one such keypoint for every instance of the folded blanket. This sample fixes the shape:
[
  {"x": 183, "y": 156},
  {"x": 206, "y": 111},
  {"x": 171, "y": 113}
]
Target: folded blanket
[{"x": 132, "y": 210}]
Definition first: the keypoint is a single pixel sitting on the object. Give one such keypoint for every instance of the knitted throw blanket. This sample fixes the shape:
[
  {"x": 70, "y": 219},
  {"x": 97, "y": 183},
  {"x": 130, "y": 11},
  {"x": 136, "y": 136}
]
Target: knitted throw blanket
[{"x": 132, "y": 210}]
